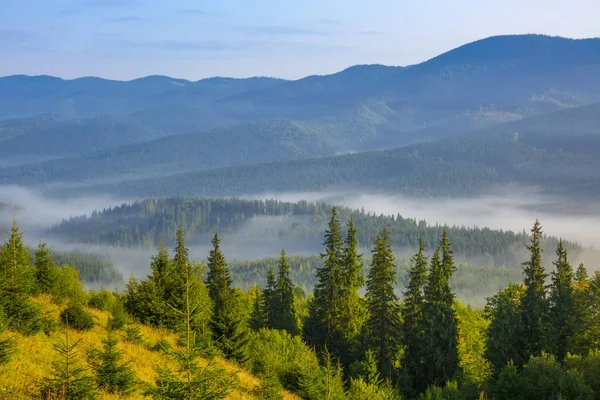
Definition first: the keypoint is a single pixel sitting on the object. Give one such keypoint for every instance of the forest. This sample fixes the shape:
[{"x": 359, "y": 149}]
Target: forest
[{"x": 354, "y": 336}]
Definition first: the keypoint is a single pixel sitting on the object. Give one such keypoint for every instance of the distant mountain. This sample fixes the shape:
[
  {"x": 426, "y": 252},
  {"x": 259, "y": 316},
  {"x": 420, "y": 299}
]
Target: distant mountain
[
  {"x": 53, "y": 136},
  {"x": 558, "y": 152}
]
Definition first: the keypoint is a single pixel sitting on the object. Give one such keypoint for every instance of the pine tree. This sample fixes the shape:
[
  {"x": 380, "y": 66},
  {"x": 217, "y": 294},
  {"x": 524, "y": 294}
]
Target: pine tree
[
  {"x": 439, "y": 318},
  {"x": 562, "y": 305},
  {"x": 352, "y": 308},
  {"x": 285, "y": 315},
  {"x": 227, "y": 325},
  {"x": 112, "y": 374},
  {"x": 44, "y": 268},
  {"x": 412, "y": 314},
  {"x": 258, "y": 317},
  {"x": 69, "y": 381},
  {"x": 581, "y": 311},
  {"x": 322, "y": 326},
  {"x": 383, "y": 322},
  {"x": 270, "y": 299},
  {"x": 505, "y": 331},
  {"x": 535, "y": 306},
  {"x": 190, "y": 381},
  {"x": 16, "y": 272}
]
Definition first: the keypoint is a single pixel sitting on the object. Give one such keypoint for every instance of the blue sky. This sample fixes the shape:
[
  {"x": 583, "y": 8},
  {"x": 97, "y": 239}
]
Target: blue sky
[{"x": 193, "y": 39}]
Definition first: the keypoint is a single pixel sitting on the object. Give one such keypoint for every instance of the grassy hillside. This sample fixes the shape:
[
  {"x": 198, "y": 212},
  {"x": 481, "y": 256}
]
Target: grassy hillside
[{"x": 34, "y": 354}]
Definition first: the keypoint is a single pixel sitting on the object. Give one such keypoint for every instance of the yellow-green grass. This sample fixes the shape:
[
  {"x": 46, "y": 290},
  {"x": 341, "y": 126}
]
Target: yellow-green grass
[{"x": 33, "y": 357}]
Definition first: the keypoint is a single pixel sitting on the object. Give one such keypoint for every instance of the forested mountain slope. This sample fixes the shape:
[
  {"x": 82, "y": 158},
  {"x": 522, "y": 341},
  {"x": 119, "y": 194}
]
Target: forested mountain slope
[
  {"x": 146, "y": 222},
  {"x": 365, "y": 107},
  {"x": 557, "y": 152}
]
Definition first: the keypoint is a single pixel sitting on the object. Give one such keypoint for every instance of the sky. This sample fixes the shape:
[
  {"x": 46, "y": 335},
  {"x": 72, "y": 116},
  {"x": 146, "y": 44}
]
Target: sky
[{"x": 194, "y": 39}]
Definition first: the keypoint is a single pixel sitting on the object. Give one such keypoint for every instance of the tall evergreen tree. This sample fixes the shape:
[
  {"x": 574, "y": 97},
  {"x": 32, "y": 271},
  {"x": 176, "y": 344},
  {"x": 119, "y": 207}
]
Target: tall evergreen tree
[
  {"x": 412, "y": 314},
  {"x": 322, "y": 326},
  {"x": 562, "y": 305},
  {"x": 581, "y": 312},
  {"x": 352, "y": 308},
  {"x": 258, "y": 317},
  {"x": 383, "y": 323},
  {"x": 16, "y": 272},
  {"x": 535, "y": 305},
  {"x": 439, "y": 318},
  {"x": 190, "y": 381},
  {"x": 228, "y": 327},
  {"x": 506, "y": 328},
  {"x": 270, "y": 299},
  {"x": 45, "y": 272},
  {"x": 285, "y": 316}
]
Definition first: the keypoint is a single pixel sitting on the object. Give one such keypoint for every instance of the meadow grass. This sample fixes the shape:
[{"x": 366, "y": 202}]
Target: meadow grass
[{"x": 33, "y": 357}]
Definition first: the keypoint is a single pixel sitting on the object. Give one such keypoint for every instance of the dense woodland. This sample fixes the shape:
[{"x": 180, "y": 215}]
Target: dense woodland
[
  {"x": 534, "y": 340},
  {"x": 145, "y": 223}
]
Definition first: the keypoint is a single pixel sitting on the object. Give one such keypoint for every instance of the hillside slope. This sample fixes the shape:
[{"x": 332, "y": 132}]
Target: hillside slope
[
  {"x": 558, "y": 152},
  {"x": 34, "y": 355}
]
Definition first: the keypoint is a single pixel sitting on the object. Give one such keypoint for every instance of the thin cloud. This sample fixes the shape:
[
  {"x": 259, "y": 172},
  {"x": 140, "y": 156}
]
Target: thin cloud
[
  {"x": 370, "y": 33},
  {"x": 111, "y": 3},
  {"x": 195, "y": 11},
  {"x": 278, "y": 30},
  {"x": 131, "y": 18}
]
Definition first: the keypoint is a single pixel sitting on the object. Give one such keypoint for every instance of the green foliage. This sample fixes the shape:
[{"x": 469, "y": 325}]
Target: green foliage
[
  {"x": 228, "y": 326},
  {"x": 133, "y": 334},
  {"x": 69, "y": 380},
  {"x": 118, "y": 318},
  {"x": 439, "y": 319},
  {"x": 67, "y": 285},
  {"x": 44, "y": 268},
  {"x": 472, "y": 346},
  {"x": 507, "y": 386},
  {"x": 22, "y": 314},
  {"x": 17, "y": 275},
  {"x": 535, "y": 306},
  {"x": 506, "y": 328},
  {"x": 190, "y": 381},
  {"x": 412, "y": 326},
  {"x": 74, "y": 316},
  {"x": 269, "y": 389},
  {"x": 285, "y": 315},
  {"x": 286, "y": 356},
  {"x": 112, "y": 374},
  {"x": 6, "y": 343},
  {"x": 102, "y": 300},
  {"x": 92, "y": 268},
  {"x": 562, "y": 306},
  {"x": 383, "y": 323}
]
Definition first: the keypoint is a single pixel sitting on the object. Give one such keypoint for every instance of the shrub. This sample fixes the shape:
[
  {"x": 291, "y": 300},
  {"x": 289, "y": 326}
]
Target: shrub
[
  {"x": 77, "y": 318},
  {"x": 132, "y": 334},
  {"x": 21, "y": 313},
  {"x": 66, "y": 285},
  {"x": 102, "y": 300},
  {"x": 118, "y": 318}
]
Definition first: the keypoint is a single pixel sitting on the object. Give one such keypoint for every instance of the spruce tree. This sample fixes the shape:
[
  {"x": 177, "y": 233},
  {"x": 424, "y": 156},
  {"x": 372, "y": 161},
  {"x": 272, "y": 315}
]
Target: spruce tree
[
  {"x": 562, "y": 307},
  {"x": 270, "y": 299},
  {"x": 581, "y": 311},
  {"x": 112, "y": 374},
  {"x": 383, "y": 323},
  {"x": 505, "y": 331},
  {"x": 535, "y": 307},
  {"x": 190, "y": 381},
  {"x": 69, "y": 380},
  {"x": 258, "y": 317},
  {"x": 16, "y": 272},
  {"x": 352, "y": 308},
  {"x": 285, "y": 315},
  {"x": 440, "y": 329},
  {"x": 45, "y": 268},
  {"x": 228, "y": 326},
  {"x": 322, "y": 328},
  {"x": 412, "y": 314}
]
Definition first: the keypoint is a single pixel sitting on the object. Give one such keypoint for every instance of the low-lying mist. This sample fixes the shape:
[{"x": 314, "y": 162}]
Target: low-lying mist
[{"x": 512, "y": 209}]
